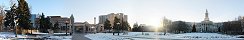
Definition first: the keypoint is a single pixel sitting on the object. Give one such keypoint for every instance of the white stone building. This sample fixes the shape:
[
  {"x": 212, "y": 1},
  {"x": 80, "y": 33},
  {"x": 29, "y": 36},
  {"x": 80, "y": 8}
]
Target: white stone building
[
  {"x": 206, "y": 25},
  {"x": 85, "y": 27}
]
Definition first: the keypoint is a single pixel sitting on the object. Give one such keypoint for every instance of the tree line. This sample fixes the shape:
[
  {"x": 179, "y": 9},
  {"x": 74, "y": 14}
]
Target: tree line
[
  {"x": 18, "y": 18},
  {"x": 232, "y": 27}
]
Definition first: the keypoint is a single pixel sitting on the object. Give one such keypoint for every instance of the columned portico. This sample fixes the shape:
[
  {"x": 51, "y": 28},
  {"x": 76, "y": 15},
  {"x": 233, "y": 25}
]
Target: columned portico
[{"x": 206, "y": 25}]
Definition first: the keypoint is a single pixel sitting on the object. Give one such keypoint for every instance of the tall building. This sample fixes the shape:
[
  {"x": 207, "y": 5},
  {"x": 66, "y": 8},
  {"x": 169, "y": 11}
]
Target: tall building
[
  {"x": 33, "y": 20},
  {"x": 102, "y": 19},
  {"x": 111, "y": 16}
]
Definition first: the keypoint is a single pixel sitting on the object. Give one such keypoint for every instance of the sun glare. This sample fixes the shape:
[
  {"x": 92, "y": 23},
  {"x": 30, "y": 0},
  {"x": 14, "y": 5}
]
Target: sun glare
[{"x": 155, "y": 23}]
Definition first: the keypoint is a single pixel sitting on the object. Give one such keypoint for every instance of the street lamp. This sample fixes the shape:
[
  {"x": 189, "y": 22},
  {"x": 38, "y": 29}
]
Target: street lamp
[
  {"x": 118, "y": 27},
  {"x": 66, "y": 27}
]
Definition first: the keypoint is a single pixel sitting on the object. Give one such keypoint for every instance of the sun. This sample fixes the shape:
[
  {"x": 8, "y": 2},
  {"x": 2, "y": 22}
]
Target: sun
[{"x": 155, "y": 23}]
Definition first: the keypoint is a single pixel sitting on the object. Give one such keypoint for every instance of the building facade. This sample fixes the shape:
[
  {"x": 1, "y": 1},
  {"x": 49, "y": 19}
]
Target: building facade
[
  {"x": 85, "y": 27},
  {"x": 61, "y": 20},
  {"x": 111, "y": 16},
  {"x": 33, "y": 20},
  {"x": 81, "y": 27},
  {"x": 206, "y": 25}
]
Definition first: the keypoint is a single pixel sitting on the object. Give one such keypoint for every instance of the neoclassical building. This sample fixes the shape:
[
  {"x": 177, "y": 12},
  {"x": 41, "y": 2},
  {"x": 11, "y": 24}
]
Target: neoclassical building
[
  {"x": 206, "y": 25},
  {"x": 85, "y": 27}
]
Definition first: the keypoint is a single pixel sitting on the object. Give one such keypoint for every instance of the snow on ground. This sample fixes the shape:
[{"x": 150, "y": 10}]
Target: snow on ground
[
  {"x": 61, "y": 37},
  {"x": 159, "y": 35},
  {"x": 11, "y": 35},
  {"x": 8, "y": 35},
  {"x": 110, "y": 36},
  {"x": 47, "y": 33}
]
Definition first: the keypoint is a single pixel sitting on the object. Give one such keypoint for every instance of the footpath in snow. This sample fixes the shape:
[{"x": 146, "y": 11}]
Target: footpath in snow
[{"x": 158, "y": 35}]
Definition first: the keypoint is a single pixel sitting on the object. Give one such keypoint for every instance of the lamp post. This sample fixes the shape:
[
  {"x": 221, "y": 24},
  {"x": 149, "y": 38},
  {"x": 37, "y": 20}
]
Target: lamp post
[
  {"x": 66, "y": 28},
  {"x": 118, "y": 27}
]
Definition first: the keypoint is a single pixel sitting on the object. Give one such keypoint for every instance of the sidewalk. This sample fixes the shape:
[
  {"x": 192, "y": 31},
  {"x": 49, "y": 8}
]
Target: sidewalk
[{"x": 79, "y": 36}]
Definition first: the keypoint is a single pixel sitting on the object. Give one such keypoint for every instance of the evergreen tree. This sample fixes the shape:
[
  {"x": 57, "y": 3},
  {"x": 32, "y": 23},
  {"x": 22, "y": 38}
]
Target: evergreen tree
[
  {"x": 45, "y": 24},
  {"x": 116, "y": 26},
  {"x": 194, "y": 28},
  {"x": 56, "y": 26},
  {"x": 125, "y": 26},
  {"x": 135, "y": 27},
  {"x": 107, "y": 25},
  {"x": 219, "y": 29},
  {"x": 10, "y": 18},
  {"x": 42, "y": 28},
  {"x": 48, "y": 24},
  {"x": 23, "y": 14}
]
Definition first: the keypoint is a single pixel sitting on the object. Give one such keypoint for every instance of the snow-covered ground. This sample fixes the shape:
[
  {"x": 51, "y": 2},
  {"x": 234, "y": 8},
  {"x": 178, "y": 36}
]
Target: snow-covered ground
[
  {"x": 11, "y": 35},
  {"x": 158, "y": 35},
  {"x": 47, "y": 33},
  {"x": 61, "y": 37},
  {"x": 8, "y": 35}
]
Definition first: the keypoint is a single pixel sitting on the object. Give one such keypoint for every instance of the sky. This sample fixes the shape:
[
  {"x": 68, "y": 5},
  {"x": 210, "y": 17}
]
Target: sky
[{"x": 148, "y": 12}]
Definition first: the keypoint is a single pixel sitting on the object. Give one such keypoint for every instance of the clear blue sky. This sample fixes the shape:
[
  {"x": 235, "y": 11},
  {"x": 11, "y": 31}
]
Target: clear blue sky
[{"x": 141, "y": 11}]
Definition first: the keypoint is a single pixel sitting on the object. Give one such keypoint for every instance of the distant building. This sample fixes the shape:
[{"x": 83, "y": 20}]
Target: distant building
[
  {"x": 33, "y": 20},
  {"x": 100, "y": 27},
  {"x": 81, "y": 27},
  {"x": 206, "y": 25},
  {"x": 61, "y": 20},
  {"x": 219, "y": 25},
  {"x": 110, "y": 17},
  {"x": 102, "y": 19},
  {"x": 85, "y": 27}
]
